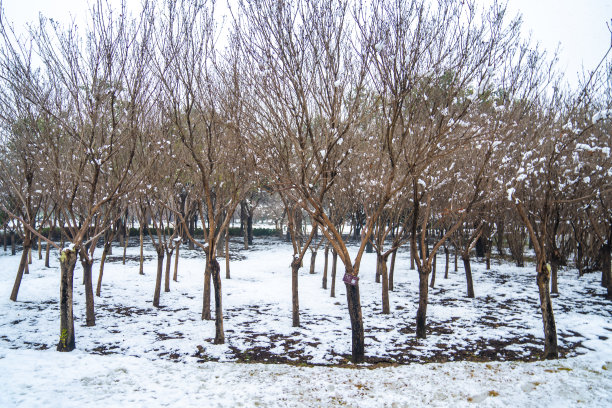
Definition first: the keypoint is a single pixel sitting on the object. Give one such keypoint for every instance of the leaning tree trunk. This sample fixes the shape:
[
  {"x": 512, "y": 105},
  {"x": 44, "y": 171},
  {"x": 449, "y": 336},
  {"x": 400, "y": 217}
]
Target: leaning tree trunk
[
  {"x": 215, "y": 270},
  {"x": 333, "y": 273},
  {"x": 107, "y": 245},
  {"x": 468, "y": 275},
  {"x": 385, "y": 286},
  {"x": 423, "y": 295},
  {"x": 89, "y": 296},
  {"x": 326, "y": 261},
  {"x": 67, "y": 263},
  {"x": 295, "y": 300},
  {"x": 158, "y": 280},
  {"x": 206, "y": 298},
  {"x": 548, "y": 318},
  {"x": 20, "y": 270},
  {"x": 354, "y": 307}
]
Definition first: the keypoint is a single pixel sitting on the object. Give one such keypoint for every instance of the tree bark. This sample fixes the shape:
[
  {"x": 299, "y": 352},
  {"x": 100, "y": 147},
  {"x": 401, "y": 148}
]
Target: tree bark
[
  {"x": 421, "y": 318},
  {"x": 67, "y": 338},
  {"x": 446, "y": 255},
  {"x": 385, "y": 286},
  {"x": 227, "y": 254},
  {"x": 13, "y": 246},
  {"x": 160, "y": 269},
  {"x": 39, "y": 249},
  {"x": 433, "y": 274},
  {"x": 313, "y": 258},
  {"x": 176, "y": 260},
  {"x": 125, "y": 243},
  {"x": 206, "y": 298},
  {"x": 168, "y": 267},
  {"x": 216, "y": 278},
  {"x": 326, "y": 255},
  {"x": 354, "y": 306},
  {"x": 20, "y": 269},
  {"x": 378, "y": 267},
  {"x": 468, "y": 276},
  {"x": 295, "y": 301},
  {"x": 89, "y": 296},
  {"x": 550, "y": 329},
  {"x": 48, "y": 249},
  {"x": 333, "y": 273},
  {"x": 102, "y": 262},
  {"x": 392, "y": 269},
  {"x": 141, "y": 251},
  {"x": 554, "y": 286}
]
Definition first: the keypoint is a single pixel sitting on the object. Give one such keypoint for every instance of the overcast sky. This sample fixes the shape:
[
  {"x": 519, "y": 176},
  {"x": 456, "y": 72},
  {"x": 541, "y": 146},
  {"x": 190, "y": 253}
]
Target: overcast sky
[{"x": 577, "y": 26}]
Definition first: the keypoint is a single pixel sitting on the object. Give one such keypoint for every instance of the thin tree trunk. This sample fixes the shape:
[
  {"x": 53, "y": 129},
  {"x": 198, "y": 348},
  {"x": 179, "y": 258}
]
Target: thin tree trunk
[
  {"x": 411, "y": 259},
  {"x": 468, "y": 276},
  {"x": 39, "y": 248},
  {"x": 354, "y": 307},
  {"x": 102, "y": 262},
  {"x": 378, "y": 268},
  {"x": 216, "y": 278},
  {"x": 20, "y": 270},
  {"x": 125, "y": 243},
  {"x": 295, "y": 300},
  {"x": 313, "y": 258},
  {"x": 67, "y": 338},
  {"x": 446, "y": 254},
  {"x": 227, "y": 254},
  {"x": 168, "y": 267},
  {"x": 392, "y": 269},
  {"x": 160, "y": 269},
  {"x": 432, "y": 282},
  {"x": 333, "y": 273},
  {"x": 326, "y": 261},
  {"x": 554, "y": 287},
  {"x": 89, "y": 296},
  {"x": 30, "y": 255},
  {"x": 13, "y": 246},
  {"x": 48, "y": 249},
  {"x": 456, "y": 269},
  {"x": 385, "y": 286},
  {"x": 421, "y": 318},
  {"x": 206, "y": 298},
  {"x": 4, "y": 238},
  {"x": 176, "y": 260},
  {"x": 548, "y": 319},
  {"x": 141, "y": 251}
]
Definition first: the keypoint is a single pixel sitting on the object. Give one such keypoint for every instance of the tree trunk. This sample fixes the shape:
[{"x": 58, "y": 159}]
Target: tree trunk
[
  {"x": 160, "y": 269},
  {"x": 67, "y": 263},
  {"x": 548, "y": 319},
  {"x": 433, "y": 274},
  {"x": 446, "y": 255},
  {"x": 216, "y": 278},
  {"x": 89, "y": 295},
  {"x": 554, "y": 287},
  {"x": 378, "y": 268},
  {"x": 48, "y": 249},
  {"x": 354, "y": 307},
  {"x": 20, "y": 270},
  {"x": 468, "y": 276},
  {"x": 392, "y": 269},
  {"x": 385, "y": 285},
  {"x": 333, "y": 273},
  {"x": 326, "y": 252},
  {"x": 313, "y": 258},
  {"x": 227, "y": 254},
  {"x": 141, "y": 251},
  {"x": 500, "y": 238},
  {"x": 102, "y": 262},
  {"x": 125, "y": 243},
  {"x": 579, "y": 258},
  {"x": 295, "y": 301},
  {"x": 606, "y": 268},
  {"x": 206, "y": 298},
  {"x": 421, "y": 318},
  {"x": 456, "y": 269},
  {"x": 13, "y": 246},
  {"x": 168, "y": 267},
  {"x": 411, "y": 259},
  {"x": 4, "y": 238},
  {"x": 39, "y": 248},
  {"x": 176, "y": 260}
]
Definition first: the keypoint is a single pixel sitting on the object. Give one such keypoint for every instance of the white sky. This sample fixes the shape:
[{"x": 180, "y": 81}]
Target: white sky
[{"x": 577, "y": 26}]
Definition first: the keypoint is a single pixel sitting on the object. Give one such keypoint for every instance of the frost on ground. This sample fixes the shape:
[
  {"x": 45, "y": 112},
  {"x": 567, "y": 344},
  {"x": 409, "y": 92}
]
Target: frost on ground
[{"x": 137, "y": 354}]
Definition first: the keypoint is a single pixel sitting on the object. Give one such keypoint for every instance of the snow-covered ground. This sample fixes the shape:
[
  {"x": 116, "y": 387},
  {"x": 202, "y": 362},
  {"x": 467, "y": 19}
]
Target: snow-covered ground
[{"x": 138, "y": 355}]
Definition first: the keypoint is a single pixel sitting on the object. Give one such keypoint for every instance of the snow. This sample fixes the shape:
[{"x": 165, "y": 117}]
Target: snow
[
  {"x": 603, "y": 114},
  {"x": 151, "y": 354}
]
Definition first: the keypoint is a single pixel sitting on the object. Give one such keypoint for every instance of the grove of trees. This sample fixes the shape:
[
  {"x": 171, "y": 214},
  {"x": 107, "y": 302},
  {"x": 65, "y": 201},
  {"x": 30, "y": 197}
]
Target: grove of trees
[{"x": 431, "y": 125}]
